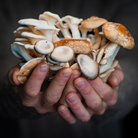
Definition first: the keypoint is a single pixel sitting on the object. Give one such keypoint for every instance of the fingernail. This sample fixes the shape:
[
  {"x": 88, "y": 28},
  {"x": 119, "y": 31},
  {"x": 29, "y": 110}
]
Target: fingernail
[
  {"x": 66, "y": 75},
  {"x": 44, "y": 68},
  {"x": 72, "y": 99},
  {"x": 115, "y": 78},
  {"x": 62, "y": 110},
  {"x": 80, "y": 84}
]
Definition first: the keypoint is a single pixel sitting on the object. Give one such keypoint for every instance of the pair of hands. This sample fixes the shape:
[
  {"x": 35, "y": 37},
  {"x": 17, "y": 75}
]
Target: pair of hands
[{"x": 73, "y": 96}]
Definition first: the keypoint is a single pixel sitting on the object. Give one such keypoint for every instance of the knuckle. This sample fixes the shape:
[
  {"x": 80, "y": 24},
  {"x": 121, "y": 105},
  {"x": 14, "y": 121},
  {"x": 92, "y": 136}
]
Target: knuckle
[
  {"x": 105, "y": 94},
  {"x": 97, "y": 104},
  {"x": 27, "y": 104},
  {"x": 40, "y": 111},
  {"x": 101, "y": 112},
  {"x": 85, "y": 118},
  {"x": 51, "y": 100},
  {"x": 112, "y": 102}
]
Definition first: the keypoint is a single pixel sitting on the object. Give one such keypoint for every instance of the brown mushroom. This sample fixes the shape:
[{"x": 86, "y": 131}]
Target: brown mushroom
[{"x": 119, "y": 34}]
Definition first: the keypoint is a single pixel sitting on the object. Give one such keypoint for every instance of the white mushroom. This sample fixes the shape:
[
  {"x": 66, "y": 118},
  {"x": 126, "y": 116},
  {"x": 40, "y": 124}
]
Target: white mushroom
[
  {"x": 75, "y": 66},
  {"x": 50, "y": 60},
  {"x": 110, "y": 53},
  {"x": 73, "y": 23},
  {"x": 31, "y": 23},
  {"x": 51, "y": 18},
  {"x": 47, "y": 31},
  {"x": 22, "y": 40},
  {"x": 20, "y": 52},
  {"x": 62, "y": 54},
  {"x": 43, "y": 47},
  {"x": 88, "y": 66},
  {"x": 19, "y": 30},
  {"x": 64, "y": 28},
  {"x": 32, "y": 37}
]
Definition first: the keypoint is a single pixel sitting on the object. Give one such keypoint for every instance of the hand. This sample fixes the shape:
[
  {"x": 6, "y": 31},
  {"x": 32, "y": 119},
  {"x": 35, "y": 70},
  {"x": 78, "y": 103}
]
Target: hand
[
  {"x": 31, "y": 93},
  {"x": 96, "y": 96}
]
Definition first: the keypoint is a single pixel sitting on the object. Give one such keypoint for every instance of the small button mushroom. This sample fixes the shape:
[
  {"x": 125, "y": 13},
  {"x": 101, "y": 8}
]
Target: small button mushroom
[
  {"x": 88, "y": 66},
  {"x": 51, "y": 18},
  {"x": 43, "y": 47},
  {"x": 62, "y": 54},
  {"x": 73, "y": 23},
  {"x": 119, "y": 34},
  {"x": 32, "y": 37}
]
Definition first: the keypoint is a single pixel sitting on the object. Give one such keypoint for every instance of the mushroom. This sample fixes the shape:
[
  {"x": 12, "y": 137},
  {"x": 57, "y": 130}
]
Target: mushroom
[
  {"x": 97, "y": 43},
  {"x": 19, "y": 30},
  {"x": 89, "y": 24},
  {"x": 55, "y": 38},
  {"x": 51, "y": 18},
  {"x": 43, "y": 47},
  {"x": 22, "y": 53},
  {"x": 119, "y": 34},
  {"x": 22, "y": 40},
  {"x": 62, "y": 54},
  {"x": 64, "y": 28},
  {"x": 32, "y": 37},
  {"x": 47, "y": 31},
  {"x": 27, "y": 68},
  {"x": 50, "y": 60},
  {"x": 73, "y": 23},
  {"x": 78, "y": 45},
  {"x": 31, "y": 23},
  {"x": 88, "y": 66},
  {"x": 111, "y": 51}
]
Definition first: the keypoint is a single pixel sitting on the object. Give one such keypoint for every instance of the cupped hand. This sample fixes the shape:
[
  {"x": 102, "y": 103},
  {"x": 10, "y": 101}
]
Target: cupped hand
[
  {"x": 31, "y": 93},
  {"x": 93, "y": 98}
]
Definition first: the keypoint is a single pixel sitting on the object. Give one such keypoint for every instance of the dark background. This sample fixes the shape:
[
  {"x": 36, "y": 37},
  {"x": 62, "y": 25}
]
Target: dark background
[{"x": 123, "y": 122}]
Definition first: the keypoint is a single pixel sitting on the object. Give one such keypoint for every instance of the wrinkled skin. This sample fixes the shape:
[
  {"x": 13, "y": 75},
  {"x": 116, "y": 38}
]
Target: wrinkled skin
[{"x": 68, "y": 89}]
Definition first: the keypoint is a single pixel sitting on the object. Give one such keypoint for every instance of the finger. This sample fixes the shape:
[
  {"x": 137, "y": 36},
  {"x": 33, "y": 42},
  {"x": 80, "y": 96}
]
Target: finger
[
  {"x": 107, "y": 93},
  {"x": 12, "y": 76},
  {"x": 77, "y": 107},
  {"x": 116, "y": 77},
  {"x": 70, "y": 86},
  {"x": 33, "y": 85},
  {"x": 54, "y": 91},
  {"x": 91, "y": 97},
  {"x": 66, "y": 114}
]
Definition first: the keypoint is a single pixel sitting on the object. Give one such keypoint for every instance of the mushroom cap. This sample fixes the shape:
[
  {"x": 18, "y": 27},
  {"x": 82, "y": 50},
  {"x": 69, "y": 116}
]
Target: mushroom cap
[
  {"x": 27, "y": 68},
  {"x": 31, "y": 21},
  {"x": 93, "y": 22},
  {"x": 88, "y": 66},
  {"x": 43, "y": 47},
  {"x": 72, "y": 19},
  {"x": 78, "y": 45},
  {"x": 47, "y": 15},
  {"x": 62, "y": 54},
  {"x": 119, "y": 34},
  {"x": 46, "y": 27},
  {"x": 32, "y": 35}
]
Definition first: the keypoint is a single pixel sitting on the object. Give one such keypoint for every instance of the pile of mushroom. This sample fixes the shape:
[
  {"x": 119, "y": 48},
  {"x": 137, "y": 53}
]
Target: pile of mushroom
[{"x": 82, "y": 46}]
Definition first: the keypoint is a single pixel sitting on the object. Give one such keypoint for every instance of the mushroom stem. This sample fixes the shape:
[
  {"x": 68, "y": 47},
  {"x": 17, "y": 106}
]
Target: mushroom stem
[{"x": 110, "y": 53}]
